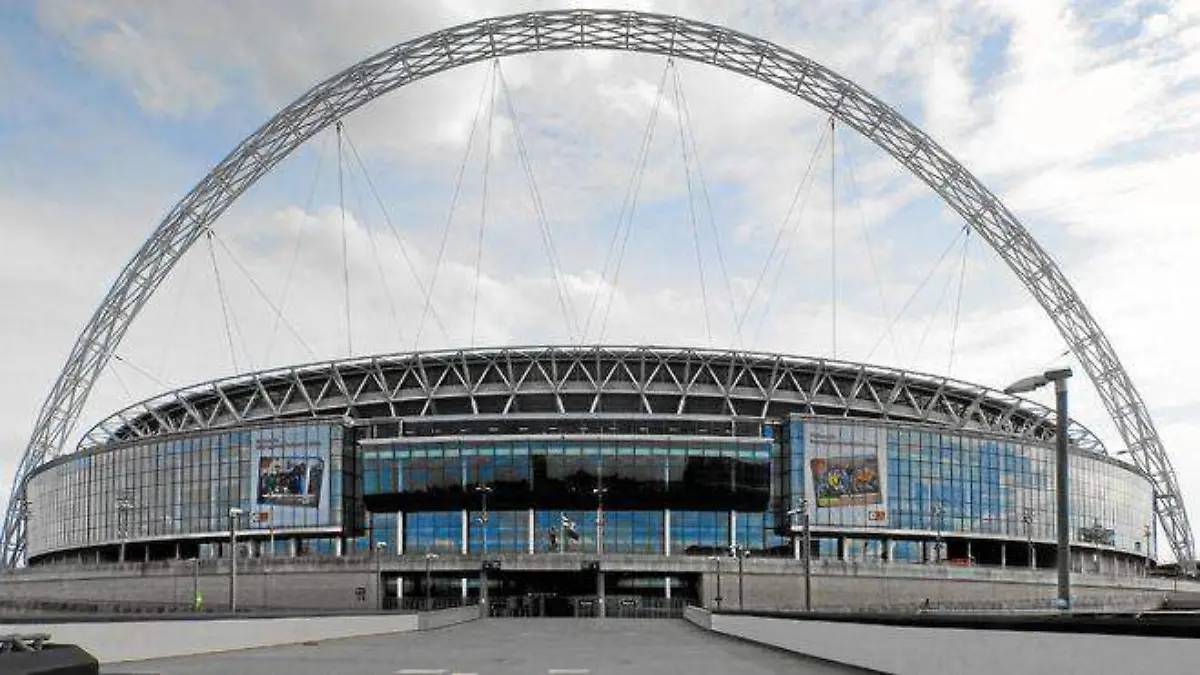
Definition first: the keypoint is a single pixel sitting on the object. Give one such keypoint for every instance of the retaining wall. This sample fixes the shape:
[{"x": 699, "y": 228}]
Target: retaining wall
[
  {"x": 907, "y": 650},
  {"x": 117, "y": 641}
]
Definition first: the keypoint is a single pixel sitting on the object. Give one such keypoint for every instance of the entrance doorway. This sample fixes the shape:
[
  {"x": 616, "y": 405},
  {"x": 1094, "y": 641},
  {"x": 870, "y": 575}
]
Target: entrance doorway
[{"x": 576, "y": 594}]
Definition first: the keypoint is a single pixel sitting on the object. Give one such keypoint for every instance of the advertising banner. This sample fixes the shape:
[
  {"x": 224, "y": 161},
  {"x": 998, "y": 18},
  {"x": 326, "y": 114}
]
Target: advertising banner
[
  {"x": 289, "y": 476},
  {"x": 846, "y": 473}
]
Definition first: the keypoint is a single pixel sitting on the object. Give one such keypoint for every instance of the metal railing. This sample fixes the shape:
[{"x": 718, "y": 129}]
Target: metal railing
[{"x": 23, "y": 643}]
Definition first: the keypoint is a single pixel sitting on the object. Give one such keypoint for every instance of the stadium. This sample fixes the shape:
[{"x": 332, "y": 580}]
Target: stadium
[
  {"x": 559, "y": 476},
  {"x": 658, "y": 452}
]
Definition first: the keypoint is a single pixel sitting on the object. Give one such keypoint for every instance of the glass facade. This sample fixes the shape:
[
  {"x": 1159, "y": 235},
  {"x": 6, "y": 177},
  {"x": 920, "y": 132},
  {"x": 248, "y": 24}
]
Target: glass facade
[
  {"x": 284, "y": 477},
  {"x": 898, "y": 478},
  {"x": 536, "y": 482},
  {"x": 874, "y": 490}
]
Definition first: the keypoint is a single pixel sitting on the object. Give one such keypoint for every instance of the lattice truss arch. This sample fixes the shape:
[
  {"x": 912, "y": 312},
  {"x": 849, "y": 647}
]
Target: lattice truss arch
[
  {"x": 492, "y": 38},
  {"x": 638, "y": 380}
]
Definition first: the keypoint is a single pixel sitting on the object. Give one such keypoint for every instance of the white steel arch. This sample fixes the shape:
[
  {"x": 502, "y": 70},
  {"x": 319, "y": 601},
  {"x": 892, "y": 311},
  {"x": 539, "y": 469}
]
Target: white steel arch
[{"x": 682, "y": 38}]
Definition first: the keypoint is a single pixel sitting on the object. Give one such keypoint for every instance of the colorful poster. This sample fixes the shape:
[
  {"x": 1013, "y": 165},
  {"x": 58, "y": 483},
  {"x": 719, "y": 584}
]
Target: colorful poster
[
  {"x": 290, "y": 481},
  {"x": 845, "y": 473},
  {"x": 289, "y": 476},
  {"x": 846, "y": 481}
]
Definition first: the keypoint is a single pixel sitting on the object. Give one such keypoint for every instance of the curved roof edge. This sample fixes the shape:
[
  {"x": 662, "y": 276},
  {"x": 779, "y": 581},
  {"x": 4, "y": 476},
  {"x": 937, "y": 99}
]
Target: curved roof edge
[{"x": 739, "y": 382}]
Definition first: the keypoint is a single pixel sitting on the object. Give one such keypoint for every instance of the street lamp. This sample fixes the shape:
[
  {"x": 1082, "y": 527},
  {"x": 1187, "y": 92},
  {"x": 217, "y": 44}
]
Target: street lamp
[
  {"x": 1059, "y": 377},
  {"x": 1146, "y": 566},
  {"x": 124, "y": 507},
  {"x": 484, "y": 491},
  {"x": 234, "y": 512},
  {"x": 380, "y": 547},
  {"x": 429, "y": 557},
  {"x": 599, "y": 492},
  {"x": 739, "y": 552},
  {"x": 718, "y": 598},
  {"x": 804, "y": 522},
  {"x": 1027, "y": 518},
  {"x": 936, "y": 511}
]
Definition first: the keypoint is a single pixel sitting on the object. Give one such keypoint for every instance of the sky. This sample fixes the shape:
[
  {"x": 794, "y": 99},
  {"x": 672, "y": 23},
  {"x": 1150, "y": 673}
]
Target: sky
[{"x": 1080, "y": 116}]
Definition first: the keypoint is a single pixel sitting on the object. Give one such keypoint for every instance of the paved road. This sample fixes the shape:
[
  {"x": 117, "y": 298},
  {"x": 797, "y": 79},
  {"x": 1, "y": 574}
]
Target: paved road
[{"x": 506, "y": 647}]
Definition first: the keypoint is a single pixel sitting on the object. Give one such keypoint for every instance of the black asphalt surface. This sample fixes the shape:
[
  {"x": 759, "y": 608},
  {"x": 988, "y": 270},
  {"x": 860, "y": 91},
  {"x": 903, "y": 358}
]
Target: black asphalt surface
[{"x": 506, "y": 647}]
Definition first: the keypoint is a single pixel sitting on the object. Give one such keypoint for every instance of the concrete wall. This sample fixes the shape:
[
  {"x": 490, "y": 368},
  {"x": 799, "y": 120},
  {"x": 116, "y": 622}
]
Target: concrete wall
[
  {"x": 112, "y": 642},
  {"x": 331, "y": 583},
  {"x": 907, "y": 587},
  {"x": 138, "y": 640},
  {"x": 448, "y": 617},
  {"x": 905, "y": 650},
  {"x": 333, "y": 589}
]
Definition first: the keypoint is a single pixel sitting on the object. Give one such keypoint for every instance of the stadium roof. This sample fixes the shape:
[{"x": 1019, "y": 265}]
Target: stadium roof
[{"x": 584, "y": 380}]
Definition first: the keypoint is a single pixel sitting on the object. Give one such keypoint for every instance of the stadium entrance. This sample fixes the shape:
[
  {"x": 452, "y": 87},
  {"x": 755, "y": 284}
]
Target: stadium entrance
[
  {"x": 569, "y": 593},
  {"x": 577, "y": 593}
]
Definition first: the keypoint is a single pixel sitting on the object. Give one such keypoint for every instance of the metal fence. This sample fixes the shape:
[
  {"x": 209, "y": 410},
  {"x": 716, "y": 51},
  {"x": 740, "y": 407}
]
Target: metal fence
[{"x": 420, "y": 604}]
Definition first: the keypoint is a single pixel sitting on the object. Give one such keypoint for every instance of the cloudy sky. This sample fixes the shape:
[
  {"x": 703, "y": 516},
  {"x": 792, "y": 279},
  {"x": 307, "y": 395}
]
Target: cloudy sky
[{"x": 1082, "y": 116}]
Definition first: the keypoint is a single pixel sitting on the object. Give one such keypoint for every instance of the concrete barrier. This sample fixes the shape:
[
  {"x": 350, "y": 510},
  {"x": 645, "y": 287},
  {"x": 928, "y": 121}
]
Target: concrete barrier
[
  {"x": 905, "y": 650},
  {"x": 697, "y": 616},
  {"x": 448, "y": 617},
  {"x": 140, "y": 640}
]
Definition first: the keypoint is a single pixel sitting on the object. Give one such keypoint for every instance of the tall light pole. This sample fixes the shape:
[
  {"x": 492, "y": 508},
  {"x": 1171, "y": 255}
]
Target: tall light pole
[
  {"x": 1146, "y": 566},
  {"x": 124, "y": 507},
  {"x": 740, "y": 552},
  {"x": 599, "y": 492},
  {"x": 484, "y": 491},
  {"x": 1059, "y": 377},
  {"x": 380, "y": 547},
  {"x": 936, "y": 511},
  {"x": 429, "y": 557},
  {"x": 717, "y": 599},
  {"x": 1027, "y": 518},
  {"x": 807, "y": 550},
  {"x": 234, "y": 513}
]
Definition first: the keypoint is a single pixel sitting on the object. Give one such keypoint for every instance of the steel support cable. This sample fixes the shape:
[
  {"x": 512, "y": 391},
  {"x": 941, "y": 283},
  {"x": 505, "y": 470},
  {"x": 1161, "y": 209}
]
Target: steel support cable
[
  {"x": 687, "y": 176},
  {"x": 166, "y": 348},
  {"x": 483, "y": 199},
  {"x": 833, "y": 230},
  {"x": 458, "y": 181},
  {"x": 783, "y": 227},
  {"x": 142, "y": 371},
  {"x": 917, "y": 290},
  {"x": 345, "y": 243},
  {"x": 383, "y": 281},
  {"x": 962, "y": 276},
  {"x": 685, "y": 111},
  {"x": 262, "y": 294},
  {"x": 426, "y": 292},
  {"x": 295, "y": 258},
  {"x": 634, "y": 180},
  {"x": 805, "y": 186},
  {"x": 564, "y": 297},
  {"x": 942, "y": 296},
  {"x": 121, "y": 381},
  {"x": 866, "y": 233},
  {"x": 212, "y": 255}
]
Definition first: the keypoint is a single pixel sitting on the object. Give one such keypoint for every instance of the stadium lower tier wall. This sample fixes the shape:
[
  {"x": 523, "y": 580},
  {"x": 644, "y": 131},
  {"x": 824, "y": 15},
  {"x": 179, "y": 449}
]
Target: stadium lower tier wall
[{"x": 764, "y": 585}]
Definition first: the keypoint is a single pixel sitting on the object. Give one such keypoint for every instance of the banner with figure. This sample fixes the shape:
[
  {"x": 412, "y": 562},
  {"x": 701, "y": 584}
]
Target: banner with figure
[
  {"x": 846, "y": 481},
  {"x": 290, "y": 476},
  {"x": 845, "y": 468}
]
